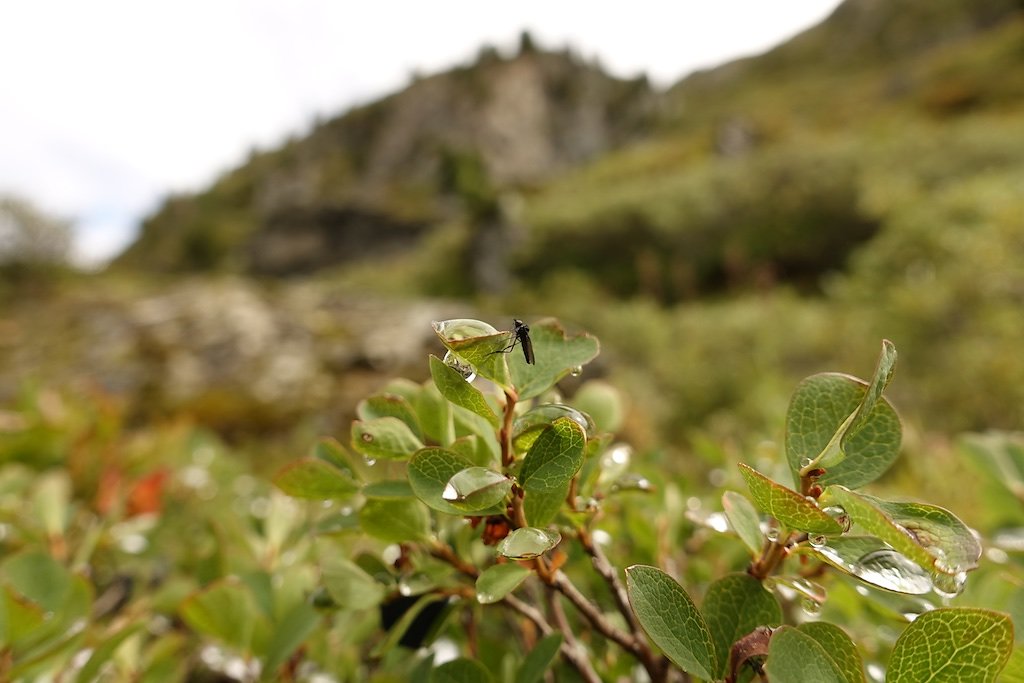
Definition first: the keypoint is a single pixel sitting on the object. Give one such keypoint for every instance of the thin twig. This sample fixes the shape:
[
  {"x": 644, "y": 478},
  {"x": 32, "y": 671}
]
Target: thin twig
[
  {"x": 656, "y": 666},
  {"x": 572, "y": 655},
  {"x": 558, "y": 614},
  {"x": 563, "y": 585}
]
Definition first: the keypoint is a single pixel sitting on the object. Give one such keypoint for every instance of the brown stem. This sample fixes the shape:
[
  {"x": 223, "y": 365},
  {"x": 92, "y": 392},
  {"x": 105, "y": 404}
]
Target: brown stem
[
  {"x": 558, "y": 614},
  {"x": 656, "y": 666},
  {"x": 773, "y": 554},
  {"x": 563, "y": 585},
  {"x": 443, "y": 551},
  {"x": 574, "y": 656},
  {"x": 508, "y": 456}
]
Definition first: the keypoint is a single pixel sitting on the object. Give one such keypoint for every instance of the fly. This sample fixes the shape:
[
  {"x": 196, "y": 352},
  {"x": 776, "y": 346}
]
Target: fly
[{"x": 521, "y": 336}]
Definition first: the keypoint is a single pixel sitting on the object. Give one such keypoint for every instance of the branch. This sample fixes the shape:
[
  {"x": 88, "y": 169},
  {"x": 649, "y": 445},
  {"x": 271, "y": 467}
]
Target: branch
[
  {"x": 573, "y": 655},
  {"x": 570, "y": 638}
]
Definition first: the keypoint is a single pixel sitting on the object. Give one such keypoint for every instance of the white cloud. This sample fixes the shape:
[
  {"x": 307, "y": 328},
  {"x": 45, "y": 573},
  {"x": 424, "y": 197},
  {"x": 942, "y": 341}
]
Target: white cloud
[{"x": 105, "y": 105}]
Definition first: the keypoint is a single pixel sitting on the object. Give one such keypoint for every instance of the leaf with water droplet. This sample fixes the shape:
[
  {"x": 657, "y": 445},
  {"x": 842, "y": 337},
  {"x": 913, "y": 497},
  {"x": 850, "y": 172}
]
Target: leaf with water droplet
[
  {"x": 839, "y": 647},
  {"x": 429, "y": 472},
  {"x": 456, "y": 389},
  {"x": 495, "y": 582},
  {"x": 315, "y": 479},
  {"x": 554, "y": 459},
  {"x": 555, "y": 357},
  {"x": 952, "y": 645},
  {"x": 734, "y": 606},
  {"x": 819, "y": 422},
  {"x": 528, "y": 542},
  {"x": 930, "y": 536},
  {"x": 744, "y": 520},
  {"x": 384, "y": 437},
  {"x": 872, "y": 561},
  {"x": 796, "y": 657},
  {"x": 476, "y": 489},
  {"x": 673, "y": 622},
  {"x": 479, "y": 345},
  {"x": 786, "y": 505}
]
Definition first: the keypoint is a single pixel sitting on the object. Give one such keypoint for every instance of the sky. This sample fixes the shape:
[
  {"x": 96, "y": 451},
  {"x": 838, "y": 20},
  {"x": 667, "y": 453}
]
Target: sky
[{"x": 107, "y": 106}]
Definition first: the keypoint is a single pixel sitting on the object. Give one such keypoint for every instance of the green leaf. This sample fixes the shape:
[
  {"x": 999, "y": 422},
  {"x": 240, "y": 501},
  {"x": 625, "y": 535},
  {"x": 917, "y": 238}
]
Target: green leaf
[
  {"x": 35, "y": 575},
  {"x": 603, "y": 403},
  {"x": 556, "y": 356},
  {"x": 495, "y": 582},
  {"x": 476, "y": 489},
  {"x": 429, "y": 472},
  {"x": 527, "y": 543},
  {"x": 225, "y": 610},
  {"x": 744, "y": 520},
  {"x": 435, "y": 414},
  {"x": 333, "y": 453},
  {"x": 786, "y": 505},
  {"x": 672, "y": 621},
  {"x": 874, "y": 562},
  {"x": 390, "y": 405},
  {"x": 479, "y": 345},
  {"x": 822, "y": 405},
  {"x": 952, "y": 645},
  {"x": 879, "y": 381},
  {"x": 346, "y": 582},
  {"x": 395, "y": 520},
  {"x": 554, "y": 459},
  {"x": 1014, "y": 670},
  {"x": 734, "y": 606},
  {"x": 104, "y": 652},
  {"x": 460, "y": 671},
  {"x": 315, "y": 479},
  {"x": 456, "y": 389},
  {"x": 931, "y": 536},
  {"x": 795, "y": 657},
  {"x": 384, "y": 437},
  {"x": 388, "y": 488},
  {"x": 539, "y": 659},
  {"x": 839, "y": 648},
  {"x": 287, "y": 635}
]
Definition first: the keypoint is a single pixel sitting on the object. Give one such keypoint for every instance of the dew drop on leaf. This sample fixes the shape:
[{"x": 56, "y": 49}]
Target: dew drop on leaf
[
  {"x": 817, "y": 540},
  {"x": 949, "y": 585},
  {"x": 811, "y": 608},
  {"x": 576, "y": 370},
  {"x": 805, "y": 463},
  {"x": 772, "y": 534},
  {"x": 370, "y": 462},
  {"x": 467, "y": 371}
]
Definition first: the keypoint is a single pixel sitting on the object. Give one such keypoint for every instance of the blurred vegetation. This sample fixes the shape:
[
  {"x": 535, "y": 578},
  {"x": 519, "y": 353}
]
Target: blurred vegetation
[{"x": 754, "y": 224}]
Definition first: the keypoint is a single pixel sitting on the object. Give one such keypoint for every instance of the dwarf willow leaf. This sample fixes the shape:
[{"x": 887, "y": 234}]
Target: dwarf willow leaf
[
  {"x": 395, "y": 520},
  {"x": 539, "y": 659},
  {"x": 952, "y": 645},
  {"x": 670, "y": 618},
  {"x": 796, "y": 657},
  {"x": 454, "y": 387},
  {"x": 931, "y": 536},
  {"x": 823, "y": 404},
  {"x": 744, "y": 520},
  {"x": 734, "y": 606},
  {"x": 460, "y": 671},
  {"x": 384, "y": 437},
  {"x": 548, "y": 468},
  {"x": 839, "y": 648},
  {"x": 494, "y": 583},
  {"x": 786, "y": 505},
  {"x": 556, "y": 356},
  {"x": 314, "y": 479}
]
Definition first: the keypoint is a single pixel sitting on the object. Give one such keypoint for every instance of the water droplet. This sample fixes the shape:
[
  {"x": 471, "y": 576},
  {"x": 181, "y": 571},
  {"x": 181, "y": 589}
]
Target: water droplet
[
  {"x": 449, "y": 492},
  {"x": 838, "y": 513},
  {"x": 772, "y": 534},
  {"x": 949, "y": 585},
  {"x": 811, "y": 608},
  {"x": 367, "y": 437},
  {"x": 576, "y": 370},
  {"x": 463, "y": 328},
  {"x": 817, "y": 540},
  {"x": 467, "y": 371},
  {"x": 805, "y": 463},
  {"x": 370, "y": 462},
  {"x": 539, "y": 417}
]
